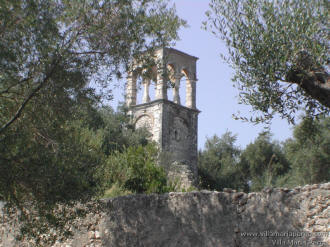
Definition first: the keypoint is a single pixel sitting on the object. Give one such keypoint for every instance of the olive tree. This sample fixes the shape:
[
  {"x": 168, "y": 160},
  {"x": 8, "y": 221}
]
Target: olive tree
[{"x": 279, "y": 51}]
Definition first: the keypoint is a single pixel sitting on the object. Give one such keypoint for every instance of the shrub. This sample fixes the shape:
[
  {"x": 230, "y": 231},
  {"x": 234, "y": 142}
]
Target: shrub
[{"x": 136, "y": 170}]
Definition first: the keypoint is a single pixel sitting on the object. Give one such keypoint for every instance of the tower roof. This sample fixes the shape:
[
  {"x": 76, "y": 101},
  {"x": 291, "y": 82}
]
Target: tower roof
[{"x": 170, "y": 50}]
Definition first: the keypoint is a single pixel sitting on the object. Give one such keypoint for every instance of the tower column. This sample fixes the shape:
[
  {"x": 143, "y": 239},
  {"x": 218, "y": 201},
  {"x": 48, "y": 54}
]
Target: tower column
[
  {"x": 161, "y": 86},
  {"x": 130, "y": 90},
  {"x": 176, "y": 93},
  {"x": 146, "y": 96},
  {"x": 191, "y": 93}
]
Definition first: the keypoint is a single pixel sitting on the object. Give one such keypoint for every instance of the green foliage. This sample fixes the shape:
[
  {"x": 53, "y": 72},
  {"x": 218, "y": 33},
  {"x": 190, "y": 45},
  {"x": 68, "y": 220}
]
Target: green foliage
[
  {"x": 51, "y": 162},
  {"x": 263, "y": 161},
  {"x": 53, "y": 138},
  {"x": 309, "y": 152},
  {"x": 45, "y": 161},
  {"x": 135, "y": 169},
  {"x": 218, "y": 164},
  {"x": 266, "y": 163},
  {"x": 45, "y": 157},
  {"x": 189, "y": 189},
  {"x": 48, "y": 44},
  {"x": 274, "y": 46},
  {"x": 115, "y": 190},
  {"x": 55, "y": 155},
  {"x": 117, "y": 131}
]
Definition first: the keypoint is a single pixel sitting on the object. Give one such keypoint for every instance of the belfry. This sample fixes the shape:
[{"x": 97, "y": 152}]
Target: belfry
[{"x": 173, "y": 126}]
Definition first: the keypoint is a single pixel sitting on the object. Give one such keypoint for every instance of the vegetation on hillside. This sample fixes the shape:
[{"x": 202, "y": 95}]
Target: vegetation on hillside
[{"x": 303, "y": 159}]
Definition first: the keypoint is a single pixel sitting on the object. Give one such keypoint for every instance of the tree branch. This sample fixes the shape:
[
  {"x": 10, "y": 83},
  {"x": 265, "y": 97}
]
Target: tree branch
[
  {"x": 315, "y": 83},
  {"x": 20, "y": 82},
  {"x": 88, "y": 52},
  {"x": 26, "y": 101}
]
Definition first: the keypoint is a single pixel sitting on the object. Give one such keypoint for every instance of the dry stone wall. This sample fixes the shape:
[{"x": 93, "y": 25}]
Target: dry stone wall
[{"x": 273, "y": 217}]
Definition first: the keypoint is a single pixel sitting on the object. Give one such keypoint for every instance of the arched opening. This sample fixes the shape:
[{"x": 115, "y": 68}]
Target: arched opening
[
  {"x": 152, "y": 90},
  {"x": 139, "y": 87},
  {"x": 171, "y": 81},
  {"x": 146, "y": 83},
  {"x": 153, "y": 83},
  {"x": 183, "y": 86}
]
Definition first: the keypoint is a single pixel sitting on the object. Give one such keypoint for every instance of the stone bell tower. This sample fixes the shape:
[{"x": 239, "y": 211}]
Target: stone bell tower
[{"x": 172, "y": 125}]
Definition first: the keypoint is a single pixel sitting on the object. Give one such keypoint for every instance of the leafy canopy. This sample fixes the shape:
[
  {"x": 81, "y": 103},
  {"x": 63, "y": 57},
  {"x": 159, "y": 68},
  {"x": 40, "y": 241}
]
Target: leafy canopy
[
  {"x": 218, "y": 163},
  {"x": 264, "y": 162},
  {"x": 68, "y": 44},
  {"x": 309, "y": 152},
  {"x": 279, "y": 51}
]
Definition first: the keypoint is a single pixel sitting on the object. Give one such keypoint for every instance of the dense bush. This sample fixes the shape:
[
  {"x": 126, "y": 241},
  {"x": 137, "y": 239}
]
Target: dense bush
[{"x": 136, "y": 170}]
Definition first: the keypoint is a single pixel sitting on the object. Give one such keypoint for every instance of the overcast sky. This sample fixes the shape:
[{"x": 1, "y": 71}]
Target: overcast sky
[{"x": 216, "y": 97}]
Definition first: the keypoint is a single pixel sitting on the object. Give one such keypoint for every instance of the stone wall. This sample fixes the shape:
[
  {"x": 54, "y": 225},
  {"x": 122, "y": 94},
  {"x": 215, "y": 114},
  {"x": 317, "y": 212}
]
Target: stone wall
[{"x": 273, "y": 217}]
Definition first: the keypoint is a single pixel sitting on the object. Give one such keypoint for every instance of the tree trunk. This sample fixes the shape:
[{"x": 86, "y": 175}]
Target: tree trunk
[{"x": 314, "y": 83}]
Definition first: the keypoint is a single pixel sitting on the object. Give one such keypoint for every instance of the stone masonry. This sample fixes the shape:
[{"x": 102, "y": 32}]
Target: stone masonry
[
  {"x": 273, "y": 217},
  {"x": 172, "y": 125}
]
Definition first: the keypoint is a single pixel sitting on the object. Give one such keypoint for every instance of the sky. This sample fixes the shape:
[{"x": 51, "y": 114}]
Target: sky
[{"x": 216, "y": 97}]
